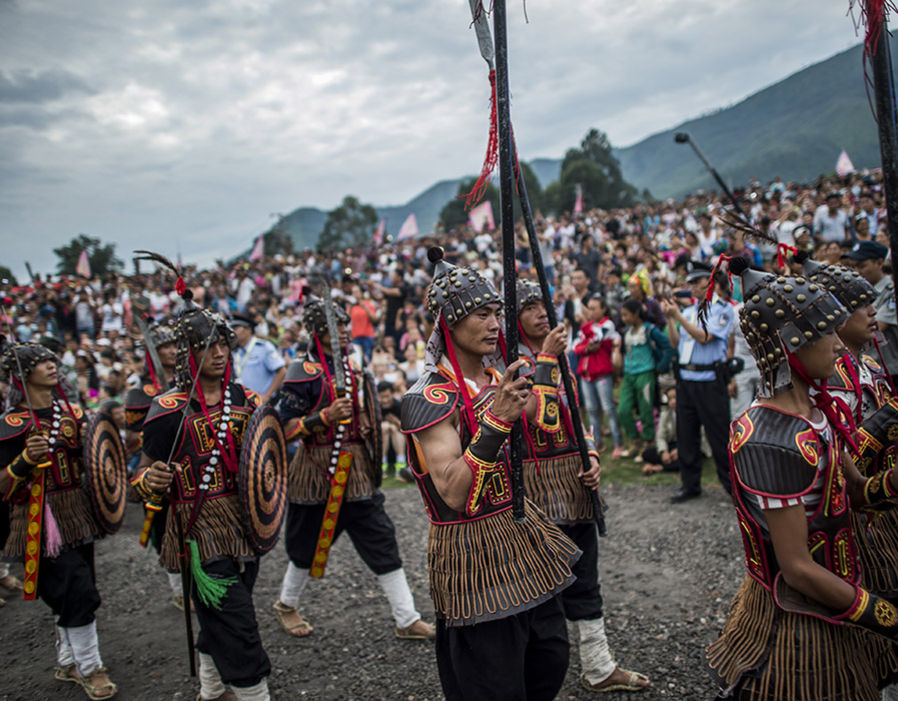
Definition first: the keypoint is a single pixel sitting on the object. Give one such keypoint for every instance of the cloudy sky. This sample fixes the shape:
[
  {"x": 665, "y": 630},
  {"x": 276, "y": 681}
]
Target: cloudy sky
[{"x": 184, "y": 125}]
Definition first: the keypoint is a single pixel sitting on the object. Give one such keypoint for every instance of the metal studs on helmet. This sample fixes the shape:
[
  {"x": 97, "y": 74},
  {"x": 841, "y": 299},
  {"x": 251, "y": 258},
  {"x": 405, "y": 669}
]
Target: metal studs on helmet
[
  {"x": 852, "y": 290},
  {"x": 457, "y": 292},
  {"x": 780, "y": 315},
  {"x": 528, "y": 293},
  {"x": 315, "y": 320},
  {"x": 29, "y": 356},
  {"x": 195, "y": 330}
]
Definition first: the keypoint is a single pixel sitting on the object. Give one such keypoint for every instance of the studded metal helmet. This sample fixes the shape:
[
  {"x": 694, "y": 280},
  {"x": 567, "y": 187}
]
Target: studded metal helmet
[
  {"x": 852, "y": 290},
  {"x": 528, "y": 293},
  {"x": 780, "y": 315},
  {"x": 162, "y": 334},
  {"x": 29, "y": 355},
  {"x": 195, "y": 330},
  {"x": 315, "y": 320},
  {"x": 456, "y": 292}
]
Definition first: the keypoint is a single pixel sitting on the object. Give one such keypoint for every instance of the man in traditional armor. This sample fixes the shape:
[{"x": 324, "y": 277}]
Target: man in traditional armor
[
  {"x": 137, "y": 404},
  {"x": 556, "y": 482},
  {"x": 52, "y": 526},
  {"x": 335, "y": 476},
  {"x": 192, "y": 453},
  {"x": 786, "y": 636},
  {"x": 501, "y": 632}
]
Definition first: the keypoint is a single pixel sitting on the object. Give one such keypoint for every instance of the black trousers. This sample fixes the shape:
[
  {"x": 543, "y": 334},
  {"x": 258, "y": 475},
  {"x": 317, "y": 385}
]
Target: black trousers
[
  {"x": 67, "y": 585},
  {"x": 702, "y": 404},
  {"x": 231, "y": 634},
  {"x": 523, "y": 657},
  {"x": 370, "y": 529},
  {"x": 583, "y": 599}
]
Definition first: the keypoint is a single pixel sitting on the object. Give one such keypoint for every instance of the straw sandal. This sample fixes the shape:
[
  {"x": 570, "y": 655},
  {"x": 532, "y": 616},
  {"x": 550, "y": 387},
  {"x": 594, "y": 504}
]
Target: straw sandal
[{"x": 291, "y": 620}]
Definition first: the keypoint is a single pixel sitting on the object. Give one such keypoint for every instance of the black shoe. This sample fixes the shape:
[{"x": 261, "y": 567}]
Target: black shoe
[{"x": 682, "y": 495}]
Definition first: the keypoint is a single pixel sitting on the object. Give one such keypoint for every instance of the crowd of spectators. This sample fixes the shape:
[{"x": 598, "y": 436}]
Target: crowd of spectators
[{"x": 618, "y": 279}]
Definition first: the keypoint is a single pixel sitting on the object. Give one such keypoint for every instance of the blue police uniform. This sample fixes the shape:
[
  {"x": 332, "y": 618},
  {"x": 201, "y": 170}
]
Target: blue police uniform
[{"x": 702, "y": 399}]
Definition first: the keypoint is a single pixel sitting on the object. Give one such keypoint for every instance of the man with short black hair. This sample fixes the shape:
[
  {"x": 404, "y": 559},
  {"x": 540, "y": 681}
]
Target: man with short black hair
[{"x": 257, "y": 363}]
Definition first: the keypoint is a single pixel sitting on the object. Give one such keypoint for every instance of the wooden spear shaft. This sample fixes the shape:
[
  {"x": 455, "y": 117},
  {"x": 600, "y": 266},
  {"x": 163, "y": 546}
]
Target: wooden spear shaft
[
  {"x": 509, "y": 272},
  {"x": 884, "y": 92}
]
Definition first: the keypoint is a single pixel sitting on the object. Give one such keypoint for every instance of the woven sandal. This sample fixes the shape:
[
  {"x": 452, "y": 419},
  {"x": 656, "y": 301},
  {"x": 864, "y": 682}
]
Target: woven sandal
[
  {"x": 67, "y": 673},
  {"x": 291, "y": 620},
  {"x": 98, "y": 686},
  {"x": 419, "y": 630},
  {"x": 632, "y": 683}
]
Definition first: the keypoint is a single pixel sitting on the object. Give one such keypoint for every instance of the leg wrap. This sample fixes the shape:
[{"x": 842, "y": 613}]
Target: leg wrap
[
  {"x": 174, "y": 581},
  {"x": 64, "y": 656},
  {"x": 596, "y": 662},
  {"x": 257, "y": 692},
  {"x": 211, "y": 685},
  {"x": 85, "y": 648},
  {"x": 402, "y": 604},
  {"x": 295, "y": 580}
]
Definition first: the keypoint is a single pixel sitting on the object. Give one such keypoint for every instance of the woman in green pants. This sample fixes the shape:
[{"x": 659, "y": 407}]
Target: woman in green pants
[{"x": 646, "y": 352}]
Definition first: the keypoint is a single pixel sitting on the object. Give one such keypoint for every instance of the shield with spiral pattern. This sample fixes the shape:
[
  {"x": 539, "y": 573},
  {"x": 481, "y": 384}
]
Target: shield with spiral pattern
[
  {"x": 262, "y": 478},
  {"x": 106, "y": 471}
]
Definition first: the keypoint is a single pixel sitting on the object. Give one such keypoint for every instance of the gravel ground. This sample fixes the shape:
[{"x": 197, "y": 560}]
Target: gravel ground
[{"x": 668, "y": 575}]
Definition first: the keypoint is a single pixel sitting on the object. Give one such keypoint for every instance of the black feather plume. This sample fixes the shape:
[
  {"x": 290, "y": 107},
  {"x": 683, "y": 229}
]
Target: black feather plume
[
  {"x": 158, "y": 258},
  {"x": 735, "y": 220}
]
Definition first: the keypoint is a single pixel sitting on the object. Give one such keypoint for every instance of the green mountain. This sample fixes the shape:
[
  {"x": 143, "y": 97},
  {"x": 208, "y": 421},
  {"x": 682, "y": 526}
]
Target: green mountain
[{"x": 795, "y": 129}]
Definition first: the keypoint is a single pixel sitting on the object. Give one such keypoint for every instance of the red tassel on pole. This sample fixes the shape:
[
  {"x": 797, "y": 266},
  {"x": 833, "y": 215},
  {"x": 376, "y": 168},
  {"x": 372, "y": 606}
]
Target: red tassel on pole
[{"x": 491, "y": 160}]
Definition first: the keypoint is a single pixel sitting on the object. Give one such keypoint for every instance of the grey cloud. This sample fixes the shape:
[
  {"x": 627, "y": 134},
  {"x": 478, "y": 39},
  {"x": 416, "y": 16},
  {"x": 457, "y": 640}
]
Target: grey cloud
[{"x": 39, "y": 86}]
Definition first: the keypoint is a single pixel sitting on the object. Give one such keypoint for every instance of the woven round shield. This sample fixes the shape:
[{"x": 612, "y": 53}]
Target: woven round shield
[
  {"x": 262, "y": 478},
  {"x": 106, "y": 471}
]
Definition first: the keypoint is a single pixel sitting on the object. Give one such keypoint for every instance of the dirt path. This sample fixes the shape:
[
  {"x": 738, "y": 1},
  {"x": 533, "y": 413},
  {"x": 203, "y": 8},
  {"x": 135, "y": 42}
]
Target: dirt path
[{"x": 668, "y": 574}]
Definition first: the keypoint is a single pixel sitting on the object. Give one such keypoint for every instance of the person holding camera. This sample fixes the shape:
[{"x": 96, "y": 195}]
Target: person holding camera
[{"x": 702, "y": 400}]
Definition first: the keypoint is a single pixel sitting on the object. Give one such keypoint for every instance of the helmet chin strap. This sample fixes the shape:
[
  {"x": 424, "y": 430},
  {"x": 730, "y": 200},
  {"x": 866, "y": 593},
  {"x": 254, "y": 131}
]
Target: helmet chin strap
[{"x": 837, "y": 412}]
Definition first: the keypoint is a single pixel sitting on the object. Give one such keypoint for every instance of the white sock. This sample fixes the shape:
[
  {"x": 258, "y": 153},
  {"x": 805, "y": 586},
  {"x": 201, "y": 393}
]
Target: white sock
[
  {"x": 85, "y": 648},
  {"x": 257, "y": 692},
  {"x": 295, "y": 580},
  {"x": 64, "y": 656},
  {"x": 211, "y": 685},
  {"x": 174, "y": 581},
  {"x": 402, "y": 604},
  {"x": 596, "y": 662}
]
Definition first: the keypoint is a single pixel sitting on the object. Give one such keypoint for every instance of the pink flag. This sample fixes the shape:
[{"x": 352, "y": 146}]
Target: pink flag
[
  {"x": 379, "y": 234},
  {"x": 844, "y": 166},
  {"x": 258, "y": 249},
  {"x": 482, "y": 215},
  {"x": 409, "y": 228},
  {"x": 82, "y": 268},
  {"x": 578, "y": 203}
]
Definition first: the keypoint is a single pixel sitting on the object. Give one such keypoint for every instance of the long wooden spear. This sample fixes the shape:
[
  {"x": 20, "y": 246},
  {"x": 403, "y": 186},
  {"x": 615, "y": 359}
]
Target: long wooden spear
[
  {"x": 879, "y": 56},
  {"x": 509, "y": 268}
]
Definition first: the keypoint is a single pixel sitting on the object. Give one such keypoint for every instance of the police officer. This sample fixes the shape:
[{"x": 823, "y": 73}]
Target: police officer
[
  {"x": 868, "y": 257},
  {"x": 702, "y": 400}
]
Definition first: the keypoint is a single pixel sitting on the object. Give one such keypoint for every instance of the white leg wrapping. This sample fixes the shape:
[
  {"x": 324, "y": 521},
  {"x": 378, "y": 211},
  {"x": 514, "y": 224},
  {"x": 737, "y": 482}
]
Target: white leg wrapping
[
  {"x": 211, "y": 686},
  {"x": 174, "y": 581},
  {"x": 295, "y": 580},
  {"x": 259, "y": 692},
  {"x": 64, "y": 656},
  {"x": 4, "y": 569},
  {"x": 402, "y": 604},
  {"x": 85, "y": 648},
  {"x": 890, "y": 693},
  {"x": 596, "y": 662}
]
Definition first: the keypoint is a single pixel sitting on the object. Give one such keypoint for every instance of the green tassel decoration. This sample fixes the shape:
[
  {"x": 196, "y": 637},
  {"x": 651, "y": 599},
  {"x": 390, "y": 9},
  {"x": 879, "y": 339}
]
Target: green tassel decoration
[{"x": 211, "y": 590}]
